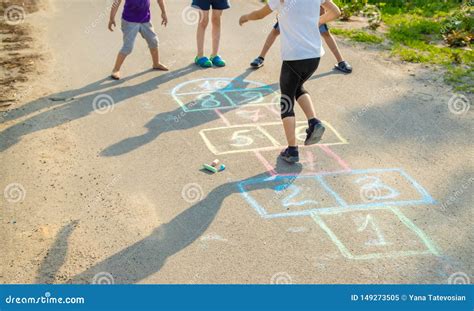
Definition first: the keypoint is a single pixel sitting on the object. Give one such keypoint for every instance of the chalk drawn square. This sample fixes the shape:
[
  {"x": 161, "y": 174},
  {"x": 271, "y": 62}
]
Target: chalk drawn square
[
  {"x": 222, "y": 93},
  {"x": 251, "y": 114},
  {"x": 236, "y": 139},
  {"x": 376, "y": 187},
  {"x": 375, "y": 233},
  {"x": 314, "y": 160},
  {"x": 286, "y": 196},
  {"x": 331, "y": 136}
]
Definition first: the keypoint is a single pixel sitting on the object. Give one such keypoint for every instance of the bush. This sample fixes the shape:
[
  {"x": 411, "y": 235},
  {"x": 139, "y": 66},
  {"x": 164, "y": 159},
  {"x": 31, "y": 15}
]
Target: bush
[
  {"x": 352, "y": 7},
  {"x": 458, "y": 27}
]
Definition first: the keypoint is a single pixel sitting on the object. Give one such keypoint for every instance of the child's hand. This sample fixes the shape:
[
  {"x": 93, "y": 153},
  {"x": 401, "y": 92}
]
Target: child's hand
[
  {"x": 112, "y": 25},
  {"x": 243, "y": 19},
  {"x": 164, "y": 19}
]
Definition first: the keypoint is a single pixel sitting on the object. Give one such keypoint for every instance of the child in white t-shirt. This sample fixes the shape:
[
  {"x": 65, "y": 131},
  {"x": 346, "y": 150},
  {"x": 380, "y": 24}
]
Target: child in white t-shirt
[
  {"x": 341, "y": 65},
  {"x": 301, "y": 50}
]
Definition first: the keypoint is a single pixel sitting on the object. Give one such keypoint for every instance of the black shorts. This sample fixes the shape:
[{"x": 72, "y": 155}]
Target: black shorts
[
  {"x": 206, "y": 5},
  {"x": 292, "y": 78}
]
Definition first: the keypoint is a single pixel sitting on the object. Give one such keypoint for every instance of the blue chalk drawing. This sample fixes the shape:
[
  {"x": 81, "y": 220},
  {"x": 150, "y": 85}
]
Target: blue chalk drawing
[
  {"x": 222, "y": 93},
  {"x": 373, "y": 189},
  {"x": 289, "y": 200},
  {"x": 245, "y": 188}
]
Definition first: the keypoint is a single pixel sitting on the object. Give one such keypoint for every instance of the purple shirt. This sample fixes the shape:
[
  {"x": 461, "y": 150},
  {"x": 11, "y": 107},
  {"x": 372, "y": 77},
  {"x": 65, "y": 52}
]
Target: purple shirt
[{"x": 137, "y": 11}]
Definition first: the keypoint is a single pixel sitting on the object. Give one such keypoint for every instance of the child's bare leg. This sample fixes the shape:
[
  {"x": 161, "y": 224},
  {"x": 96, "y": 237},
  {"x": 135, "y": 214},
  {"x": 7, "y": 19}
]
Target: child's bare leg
[
  {"x": 331, "y": 42},
  {"x": 289, "y": 123},
  {"x": 269, "y": 42},
  {"x": 216, "y": 31},
  {"x": 155, "y": 55},
  {"x": 306, "y": 105},
  {"x": 201, "y": 31},
  {"x": 118, "y": 64}
]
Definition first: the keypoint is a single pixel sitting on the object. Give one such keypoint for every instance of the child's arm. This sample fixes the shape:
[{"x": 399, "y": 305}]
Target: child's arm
[
  {"x": 113, "y": 12},
  {"x": 332, "y": 12},
  {"x": 256, "y": 15},
  {"x": 164, "y": 17}
]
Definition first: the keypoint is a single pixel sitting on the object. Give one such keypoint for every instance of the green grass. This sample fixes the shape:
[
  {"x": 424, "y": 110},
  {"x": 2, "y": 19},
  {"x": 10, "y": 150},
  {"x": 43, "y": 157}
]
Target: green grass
[
  {"x": 420, "y": 52},
  {"x": 358, "y": 35},
  {"x": 426, "y": 8},
  {"x": 415, "y": 34},
  {"x": 408, "y": 28},
  {"x": 461, "y": 77}
]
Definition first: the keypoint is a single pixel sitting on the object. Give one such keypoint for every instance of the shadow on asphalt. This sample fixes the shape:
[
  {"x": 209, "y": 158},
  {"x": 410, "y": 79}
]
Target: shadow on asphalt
[
  {"x": 56, "y": 255},
  {"x": 177, "y": 120},
  {"x": 75, "y": 104},
  {"x": 71, "y": 105},
  {"x": 148, "y": 256}
]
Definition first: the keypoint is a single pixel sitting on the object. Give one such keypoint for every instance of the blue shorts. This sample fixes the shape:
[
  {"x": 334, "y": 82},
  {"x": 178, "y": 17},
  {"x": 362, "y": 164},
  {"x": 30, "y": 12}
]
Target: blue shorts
[
  {"x": 322, "y": 29},
  {"x": 206, "y": 5}
]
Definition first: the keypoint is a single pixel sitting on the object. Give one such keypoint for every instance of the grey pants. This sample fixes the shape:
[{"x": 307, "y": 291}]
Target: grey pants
[{"x": 130, "y": 32}]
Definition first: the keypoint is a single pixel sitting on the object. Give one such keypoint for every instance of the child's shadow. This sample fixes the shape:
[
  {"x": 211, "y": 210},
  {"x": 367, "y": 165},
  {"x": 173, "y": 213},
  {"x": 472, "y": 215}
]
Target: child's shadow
[
  {"x": 146, "y": 257},
  {"x": 179, "y": 120},
  {"x": 71, "y": 105}
]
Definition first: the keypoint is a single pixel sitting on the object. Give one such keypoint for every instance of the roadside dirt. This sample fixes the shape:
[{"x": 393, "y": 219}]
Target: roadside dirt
[{"x": 20, "y": 56}]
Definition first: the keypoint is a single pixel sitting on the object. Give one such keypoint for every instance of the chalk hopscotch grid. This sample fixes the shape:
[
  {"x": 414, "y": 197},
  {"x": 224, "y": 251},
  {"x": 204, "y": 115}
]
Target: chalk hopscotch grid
[
  {"x": 431, "y": 249},
  {"x": 315, "y": 214}
]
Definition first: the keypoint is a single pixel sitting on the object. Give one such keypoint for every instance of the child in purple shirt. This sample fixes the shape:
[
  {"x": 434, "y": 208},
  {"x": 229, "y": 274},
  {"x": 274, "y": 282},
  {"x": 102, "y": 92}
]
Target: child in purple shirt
[{"x": 136, "y": 19}]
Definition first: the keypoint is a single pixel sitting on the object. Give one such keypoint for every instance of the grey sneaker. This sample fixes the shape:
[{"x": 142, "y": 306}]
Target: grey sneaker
[
  {"x": 314, "y": 134},
  {"x": 290, "y": 157}
]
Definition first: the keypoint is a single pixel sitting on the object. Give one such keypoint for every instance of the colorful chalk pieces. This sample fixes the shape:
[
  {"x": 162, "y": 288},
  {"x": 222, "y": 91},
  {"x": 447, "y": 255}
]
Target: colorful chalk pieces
[
  {"x": 214, "y": 167},
  {"x": 210, "y": 168}
]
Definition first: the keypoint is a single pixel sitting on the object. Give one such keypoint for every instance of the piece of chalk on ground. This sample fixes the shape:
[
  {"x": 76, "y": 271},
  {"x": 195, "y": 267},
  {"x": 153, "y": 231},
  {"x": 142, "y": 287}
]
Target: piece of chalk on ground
[
  {"x": 210, "y": 168},
  {"x": 215, "y": 163},
  {"x": 222, "y": 168}
]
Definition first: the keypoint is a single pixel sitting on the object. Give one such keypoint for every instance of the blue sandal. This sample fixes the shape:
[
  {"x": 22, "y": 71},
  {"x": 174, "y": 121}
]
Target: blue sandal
[
  {"x": 203, "y": 62},
  {"x": 217, "y": 61}
]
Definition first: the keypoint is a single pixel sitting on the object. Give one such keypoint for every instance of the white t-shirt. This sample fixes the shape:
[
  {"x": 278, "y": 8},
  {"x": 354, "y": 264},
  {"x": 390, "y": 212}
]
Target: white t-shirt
[{"x": 299, "y": 19}]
